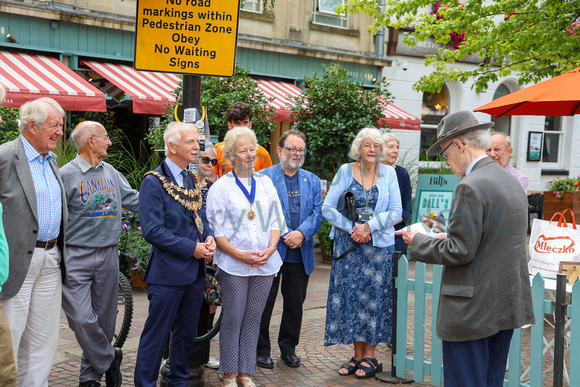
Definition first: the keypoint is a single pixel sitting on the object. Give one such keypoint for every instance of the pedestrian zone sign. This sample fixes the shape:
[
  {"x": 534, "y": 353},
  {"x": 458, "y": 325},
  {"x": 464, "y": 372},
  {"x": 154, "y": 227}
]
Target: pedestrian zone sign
[{"x": 187, "y": 36}]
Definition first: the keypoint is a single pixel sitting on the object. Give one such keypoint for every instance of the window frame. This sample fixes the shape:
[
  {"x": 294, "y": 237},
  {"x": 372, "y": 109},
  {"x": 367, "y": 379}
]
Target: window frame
[
  {"x": 319, "y": 16},
  {"x": 259, "y": 3}
]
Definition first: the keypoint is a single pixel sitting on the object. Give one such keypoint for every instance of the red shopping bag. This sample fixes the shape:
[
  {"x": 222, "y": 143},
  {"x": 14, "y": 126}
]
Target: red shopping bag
[{"x": 552, "y": 242}]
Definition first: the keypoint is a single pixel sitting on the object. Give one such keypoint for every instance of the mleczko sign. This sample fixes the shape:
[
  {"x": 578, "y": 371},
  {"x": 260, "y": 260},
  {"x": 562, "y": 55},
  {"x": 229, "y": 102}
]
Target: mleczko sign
[
  {"x": 187, "y": 36},
  {"x": 554, "y": 245}
]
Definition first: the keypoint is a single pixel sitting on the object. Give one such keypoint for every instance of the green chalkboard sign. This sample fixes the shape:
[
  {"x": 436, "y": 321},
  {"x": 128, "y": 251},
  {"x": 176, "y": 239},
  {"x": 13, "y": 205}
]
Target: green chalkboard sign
[{"x": 433, "y": 200}]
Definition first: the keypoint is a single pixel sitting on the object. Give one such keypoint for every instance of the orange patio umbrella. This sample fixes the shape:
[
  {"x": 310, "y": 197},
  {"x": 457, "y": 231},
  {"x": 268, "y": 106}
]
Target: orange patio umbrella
[{"x": 558, "y": 96}]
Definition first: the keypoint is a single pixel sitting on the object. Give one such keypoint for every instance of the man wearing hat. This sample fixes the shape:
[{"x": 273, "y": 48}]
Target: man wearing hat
[{"x": 485, "y": 286}]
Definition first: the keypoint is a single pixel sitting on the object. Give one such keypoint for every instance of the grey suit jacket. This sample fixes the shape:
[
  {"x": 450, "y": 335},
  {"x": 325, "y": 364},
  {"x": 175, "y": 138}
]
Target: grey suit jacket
[
  {"x": 20, "y": 216},
  {"x": 485, "y": 285}
]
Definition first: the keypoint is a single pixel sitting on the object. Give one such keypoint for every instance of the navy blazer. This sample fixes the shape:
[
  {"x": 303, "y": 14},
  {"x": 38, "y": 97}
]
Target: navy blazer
[
  {"x": 171, "y": 230},
  {"x": 310, "y": 210}
]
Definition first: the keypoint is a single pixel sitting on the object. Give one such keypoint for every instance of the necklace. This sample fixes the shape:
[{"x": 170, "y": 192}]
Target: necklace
[
  {"x": 367, "y": 215},
  {"x": 188, "y": 198},
  {"x": 251, "y": 215}
]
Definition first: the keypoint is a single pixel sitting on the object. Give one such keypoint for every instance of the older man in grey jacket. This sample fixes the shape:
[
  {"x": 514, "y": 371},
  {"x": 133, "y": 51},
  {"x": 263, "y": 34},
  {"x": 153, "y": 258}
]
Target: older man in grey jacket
[
  {"x": 35, "y": 215},
  {"x": 485, "y": 288}
]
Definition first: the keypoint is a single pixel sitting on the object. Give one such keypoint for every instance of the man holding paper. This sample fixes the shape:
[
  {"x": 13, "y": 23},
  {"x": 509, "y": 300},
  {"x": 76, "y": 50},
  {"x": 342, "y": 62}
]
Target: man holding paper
[{"x": 485, "y": 288}]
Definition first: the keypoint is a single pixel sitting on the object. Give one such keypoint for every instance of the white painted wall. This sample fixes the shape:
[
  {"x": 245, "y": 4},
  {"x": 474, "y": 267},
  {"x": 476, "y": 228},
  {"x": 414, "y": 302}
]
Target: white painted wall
[{"x": 462, "y": 97}]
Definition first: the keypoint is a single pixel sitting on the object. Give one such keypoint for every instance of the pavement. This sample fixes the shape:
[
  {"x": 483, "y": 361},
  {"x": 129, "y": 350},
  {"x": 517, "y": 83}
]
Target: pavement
[{"x": 319, "y": 363}]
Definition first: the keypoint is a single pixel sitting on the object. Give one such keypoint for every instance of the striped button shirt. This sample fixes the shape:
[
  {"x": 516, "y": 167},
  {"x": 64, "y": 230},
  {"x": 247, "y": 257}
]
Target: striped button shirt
[{"x": 48, "y": 193}]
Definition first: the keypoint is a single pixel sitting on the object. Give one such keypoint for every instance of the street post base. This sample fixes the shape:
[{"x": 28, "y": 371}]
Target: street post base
[{"x": 392, "y": 379}]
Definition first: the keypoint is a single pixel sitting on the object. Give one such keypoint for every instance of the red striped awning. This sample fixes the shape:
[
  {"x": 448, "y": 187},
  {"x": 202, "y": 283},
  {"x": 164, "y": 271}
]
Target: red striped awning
[
  {"x": 396, "y": 118},
  {"x": 280, "y": 91},
  {"x": 27, "y": 77},
  {"x": 149, "y": 90}
]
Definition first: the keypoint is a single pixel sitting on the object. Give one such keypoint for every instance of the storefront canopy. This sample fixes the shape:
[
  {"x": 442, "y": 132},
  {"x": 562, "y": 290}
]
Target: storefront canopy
[
  {"x": 396, "y": 118},
  {"x": 149, "y": 90},
  {"x": 281, "y": 92},
  {"x": 27, "y": 77}
]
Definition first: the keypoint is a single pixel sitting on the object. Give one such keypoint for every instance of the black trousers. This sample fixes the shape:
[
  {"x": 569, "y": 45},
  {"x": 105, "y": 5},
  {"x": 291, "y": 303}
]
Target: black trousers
[{"x": 294, "y": 284}]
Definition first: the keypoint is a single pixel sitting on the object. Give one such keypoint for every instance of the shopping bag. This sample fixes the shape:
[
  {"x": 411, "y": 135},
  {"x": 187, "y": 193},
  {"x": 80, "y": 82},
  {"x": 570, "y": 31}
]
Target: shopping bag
[{"x": 552, "y": 242}]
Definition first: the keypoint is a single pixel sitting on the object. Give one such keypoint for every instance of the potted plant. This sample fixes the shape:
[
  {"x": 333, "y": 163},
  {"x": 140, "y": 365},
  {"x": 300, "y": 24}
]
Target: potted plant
[
  {"x": 134, "y": 249},
  {"x": 324, "y": 242},
  {"x": 562, "y": 193}
]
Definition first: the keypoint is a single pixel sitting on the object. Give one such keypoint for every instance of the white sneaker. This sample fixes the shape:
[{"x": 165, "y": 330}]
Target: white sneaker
[{"x": 212, "y": 362}]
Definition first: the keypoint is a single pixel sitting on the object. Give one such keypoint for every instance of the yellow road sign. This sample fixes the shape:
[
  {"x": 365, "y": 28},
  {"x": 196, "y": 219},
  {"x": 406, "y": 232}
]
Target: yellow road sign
[{"x": 187, "y": 36}]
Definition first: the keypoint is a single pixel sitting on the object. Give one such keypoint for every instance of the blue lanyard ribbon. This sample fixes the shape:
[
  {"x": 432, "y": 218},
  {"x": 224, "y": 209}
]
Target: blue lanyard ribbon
[{"x": 249, "y": 195}]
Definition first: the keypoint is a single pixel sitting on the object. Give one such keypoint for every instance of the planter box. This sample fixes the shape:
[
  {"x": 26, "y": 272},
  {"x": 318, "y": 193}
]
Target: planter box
[
  {"x": 552, "y": 204},
  {"x": 137, "y": 280}
]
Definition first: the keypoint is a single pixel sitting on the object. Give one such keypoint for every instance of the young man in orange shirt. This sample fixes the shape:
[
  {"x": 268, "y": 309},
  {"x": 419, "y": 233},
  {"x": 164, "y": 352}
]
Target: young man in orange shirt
[{"x": 240, "y": 114}]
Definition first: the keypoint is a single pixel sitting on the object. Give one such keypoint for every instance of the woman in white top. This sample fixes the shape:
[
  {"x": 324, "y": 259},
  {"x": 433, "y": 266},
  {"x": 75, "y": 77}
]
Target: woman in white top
[{"x": 245, "y": 214}]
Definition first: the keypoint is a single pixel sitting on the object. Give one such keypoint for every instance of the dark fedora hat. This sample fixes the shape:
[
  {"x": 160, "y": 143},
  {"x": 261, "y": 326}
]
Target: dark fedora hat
[{"x": 454, "y": 124}]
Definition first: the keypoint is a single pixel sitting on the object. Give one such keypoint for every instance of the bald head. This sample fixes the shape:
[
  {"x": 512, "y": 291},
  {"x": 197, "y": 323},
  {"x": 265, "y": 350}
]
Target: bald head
[
  {"x": 92, "y": 141},
  {"x": 501, "y": 149}
]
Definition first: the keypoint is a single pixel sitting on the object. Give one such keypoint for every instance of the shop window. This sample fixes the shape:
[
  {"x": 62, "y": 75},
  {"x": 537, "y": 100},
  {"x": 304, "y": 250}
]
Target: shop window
[
  {"x": 502, "y": 124},
  {"x": 252, "y": 6},
  {"x": 435, "y": 107},
  {"x": 325, "y": 13},
  {"x": 552, "y": 139}
]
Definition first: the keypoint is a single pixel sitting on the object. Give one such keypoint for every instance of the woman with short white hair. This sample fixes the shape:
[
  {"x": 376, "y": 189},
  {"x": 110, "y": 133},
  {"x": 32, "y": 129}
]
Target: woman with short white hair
[
  {"x": 392, "y": 148},
  {"x": 360, "y": 295},
  {"x": 245, "y": 214}
]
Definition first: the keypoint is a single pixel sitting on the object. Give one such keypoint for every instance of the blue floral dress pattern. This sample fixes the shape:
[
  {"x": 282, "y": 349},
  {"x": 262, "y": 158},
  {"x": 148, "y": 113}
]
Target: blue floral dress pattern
[{"x": 360, "y": 293}]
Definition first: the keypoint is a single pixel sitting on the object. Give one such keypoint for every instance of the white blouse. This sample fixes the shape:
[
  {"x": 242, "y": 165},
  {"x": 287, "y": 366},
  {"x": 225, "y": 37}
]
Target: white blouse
[{"x": 226, "y": 210}]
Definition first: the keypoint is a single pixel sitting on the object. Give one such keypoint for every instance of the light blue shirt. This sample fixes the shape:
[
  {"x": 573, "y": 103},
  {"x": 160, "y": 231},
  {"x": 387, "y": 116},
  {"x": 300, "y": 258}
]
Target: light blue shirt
[
  {"x": 48, "y": 193},
  {"x": 388, "y": 209},
  {"x": 175, "y": 171},
  {"x": 470, "y": 167}
]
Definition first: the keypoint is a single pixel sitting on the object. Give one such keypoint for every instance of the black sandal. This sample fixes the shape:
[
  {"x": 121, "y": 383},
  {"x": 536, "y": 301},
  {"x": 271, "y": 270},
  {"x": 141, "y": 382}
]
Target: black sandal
[
  {"x": 351, "y": 369},
  {"x": 370, "y": 370}
]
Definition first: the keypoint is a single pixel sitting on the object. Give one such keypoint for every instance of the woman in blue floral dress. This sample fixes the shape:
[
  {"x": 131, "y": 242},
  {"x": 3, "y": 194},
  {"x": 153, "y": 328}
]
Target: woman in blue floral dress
[{"x": 360, "y": 295}]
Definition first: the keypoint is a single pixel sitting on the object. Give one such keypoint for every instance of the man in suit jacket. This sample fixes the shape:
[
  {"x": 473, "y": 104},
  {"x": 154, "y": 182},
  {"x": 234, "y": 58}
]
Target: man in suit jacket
[
  {"x": 35, "y": 216},
  {"x": 485, "y": 287},
  {"x": 170, "y": 206},
  {"x": 300, "y": 194}
]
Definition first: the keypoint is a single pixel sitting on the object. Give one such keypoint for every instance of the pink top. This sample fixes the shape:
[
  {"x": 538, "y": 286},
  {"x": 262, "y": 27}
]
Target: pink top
[{"x": 523, "y": 179}]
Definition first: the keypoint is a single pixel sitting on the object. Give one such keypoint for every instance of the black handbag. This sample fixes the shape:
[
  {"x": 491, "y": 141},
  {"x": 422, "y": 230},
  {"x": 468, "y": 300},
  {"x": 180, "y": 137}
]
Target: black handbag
[{"x": 347, "y": 207}]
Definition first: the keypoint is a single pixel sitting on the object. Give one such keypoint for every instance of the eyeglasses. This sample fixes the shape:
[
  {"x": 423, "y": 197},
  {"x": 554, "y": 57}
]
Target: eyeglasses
[
  {"x": 376, "y": 147},
  {"x": 293, "y": 150},
  {"x": 106, "y": 137},
  {"x": 443, "y": 151},
  {"x": 207, "y": 160}
]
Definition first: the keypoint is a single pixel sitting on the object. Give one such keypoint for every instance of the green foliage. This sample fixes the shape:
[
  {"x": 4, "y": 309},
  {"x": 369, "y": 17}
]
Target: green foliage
[
  {"x": 331, "y": 111},
  {"x": 132, "y": 163},
  {"x": 133, "y": 247},
  {"x": 217, "y": 94},
  {"x": 567, "y": 184},
  {"x": 531, "y": 40},
  {"x": 9, "y": 126},
  {"x": 323, "y": 237}
]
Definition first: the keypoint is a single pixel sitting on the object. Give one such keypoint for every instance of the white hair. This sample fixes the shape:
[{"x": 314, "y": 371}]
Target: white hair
[
  {"x": 173, "y": 131},
  {"x": 37, "y": 111},
  {"x": 479, "y": 139},
  {"x": 232, "y": 136},
  {"x": 372, "y": 134}
]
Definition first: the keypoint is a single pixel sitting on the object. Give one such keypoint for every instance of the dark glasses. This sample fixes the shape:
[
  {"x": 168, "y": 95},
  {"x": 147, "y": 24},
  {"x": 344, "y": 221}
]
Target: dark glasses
[{"x": 207, "y": 160}]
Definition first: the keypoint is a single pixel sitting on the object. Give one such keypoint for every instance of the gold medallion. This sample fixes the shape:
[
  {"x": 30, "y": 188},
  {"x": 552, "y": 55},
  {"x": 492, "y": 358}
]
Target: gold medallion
[{"x": 251, "y": 214}]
